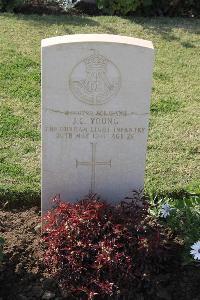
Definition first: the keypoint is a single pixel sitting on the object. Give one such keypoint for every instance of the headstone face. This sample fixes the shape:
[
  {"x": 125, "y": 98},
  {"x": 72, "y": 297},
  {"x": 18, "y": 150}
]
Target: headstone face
[{"x": 95, "y": 110}]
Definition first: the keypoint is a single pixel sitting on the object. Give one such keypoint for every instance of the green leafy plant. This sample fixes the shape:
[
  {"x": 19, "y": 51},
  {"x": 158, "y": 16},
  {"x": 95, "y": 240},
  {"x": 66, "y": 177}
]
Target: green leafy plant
[
  {"x": 10, "y": 5},
  {"x": 149, "y": 7},
  {"x": 183, "y": 218},
  {"x": 170, "y": 7},
  {"x": 118, "y": 6}
]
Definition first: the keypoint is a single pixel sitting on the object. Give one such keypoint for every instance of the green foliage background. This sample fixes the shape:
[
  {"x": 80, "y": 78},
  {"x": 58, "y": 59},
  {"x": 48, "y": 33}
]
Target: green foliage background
[
  {"x": 120, "y": 7},
  {"x": 148, "y": 7}
]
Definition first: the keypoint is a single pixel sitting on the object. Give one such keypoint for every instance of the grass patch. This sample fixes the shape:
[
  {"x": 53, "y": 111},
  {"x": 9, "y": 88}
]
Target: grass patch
[
  {"x": 166, "y": 106},
  {"x": 173, "y": 137}
]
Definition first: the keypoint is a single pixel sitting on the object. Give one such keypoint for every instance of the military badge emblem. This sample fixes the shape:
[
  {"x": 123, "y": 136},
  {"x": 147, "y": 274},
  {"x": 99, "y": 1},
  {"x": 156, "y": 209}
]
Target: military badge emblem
[{"x": 95, "y": 80}]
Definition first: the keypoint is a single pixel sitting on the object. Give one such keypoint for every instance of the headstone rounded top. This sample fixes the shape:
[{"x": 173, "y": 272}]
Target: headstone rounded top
[{"x": 106, "y": 38}]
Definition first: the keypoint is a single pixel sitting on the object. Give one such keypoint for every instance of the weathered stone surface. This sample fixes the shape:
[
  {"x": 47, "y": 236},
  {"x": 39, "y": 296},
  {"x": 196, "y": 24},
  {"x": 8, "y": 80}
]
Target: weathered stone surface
[{"x": 95, "y": 111}]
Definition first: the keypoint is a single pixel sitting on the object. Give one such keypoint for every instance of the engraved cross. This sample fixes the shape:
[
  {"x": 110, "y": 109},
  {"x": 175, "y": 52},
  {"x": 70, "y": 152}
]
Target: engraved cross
[{"x": 93, "y": 163}]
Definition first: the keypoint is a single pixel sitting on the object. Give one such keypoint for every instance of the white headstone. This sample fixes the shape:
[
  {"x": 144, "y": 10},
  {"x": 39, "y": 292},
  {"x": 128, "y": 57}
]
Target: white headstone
[{"x": 95, "y": 109}]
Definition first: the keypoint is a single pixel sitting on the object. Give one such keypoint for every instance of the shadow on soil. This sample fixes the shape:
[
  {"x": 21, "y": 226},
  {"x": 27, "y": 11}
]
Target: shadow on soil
[
  {"x": 175, "y": 195},
  {"x": 19, "y": 200},
  {"x": 29, "y": 198},
  {"x": 17, "y": 280}
]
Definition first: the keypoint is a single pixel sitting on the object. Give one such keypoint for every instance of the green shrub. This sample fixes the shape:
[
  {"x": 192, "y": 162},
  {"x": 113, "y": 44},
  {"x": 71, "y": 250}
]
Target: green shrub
[
  {"x": 149, "y": 7},
  {"x": 185, "y": 220},
  {"x": 10, "y": 5},
  {"x": 118, "y": 6},
  {"x": 183, "y": 216},
  {"x": 171, "y": 7}
]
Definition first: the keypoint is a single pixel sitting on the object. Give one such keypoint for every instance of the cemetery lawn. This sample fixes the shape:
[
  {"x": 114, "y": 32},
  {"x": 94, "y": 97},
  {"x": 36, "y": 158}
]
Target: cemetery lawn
[
  {"x": 172, "y": 171},
  {"x": 172, "y": 160}
]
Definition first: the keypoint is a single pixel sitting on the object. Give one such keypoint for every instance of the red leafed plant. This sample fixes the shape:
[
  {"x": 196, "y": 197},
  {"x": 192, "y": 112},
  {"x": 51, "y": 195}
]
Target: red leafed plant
[{"x": 95, "y": 249}]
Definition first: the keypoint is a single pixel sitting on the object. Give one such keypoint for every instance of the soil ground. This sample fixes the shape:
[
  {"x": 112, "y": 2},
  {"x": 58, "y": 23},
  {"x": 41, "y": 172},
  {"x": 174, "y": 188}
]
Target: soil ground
[{"x": 23, "y": 275}]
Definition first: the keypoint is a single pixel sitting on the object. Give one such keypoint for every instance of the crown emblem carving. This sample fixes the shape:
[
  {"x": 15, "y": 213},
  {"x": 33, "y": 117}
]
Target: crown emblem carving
[
  {"x": 95, "y": 80},
  {"x": 95, "y": 62}
]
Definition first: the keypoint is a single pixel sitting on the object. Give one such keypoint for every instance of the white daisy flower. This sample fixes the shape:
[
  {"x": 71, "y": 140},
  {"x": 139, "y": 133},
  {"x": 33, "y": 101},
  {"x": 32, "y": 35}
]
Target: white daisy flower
[
  {"x": 165, "y": 210},
  {"x": 196, "y": 250}
]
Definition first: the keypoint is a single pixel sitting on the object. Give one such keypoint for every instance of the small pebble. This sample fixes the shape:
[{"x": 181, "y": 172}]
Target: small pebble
[
  {"x": 37, "y": 228},
  {"x": 48, "y": 295}
]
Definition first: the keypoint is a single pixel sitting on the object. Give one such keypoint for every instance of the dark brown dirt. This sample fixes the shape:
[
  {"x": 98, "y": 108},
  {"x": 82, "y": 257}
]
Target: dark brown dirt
[{"x": 23, "y": 275}]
